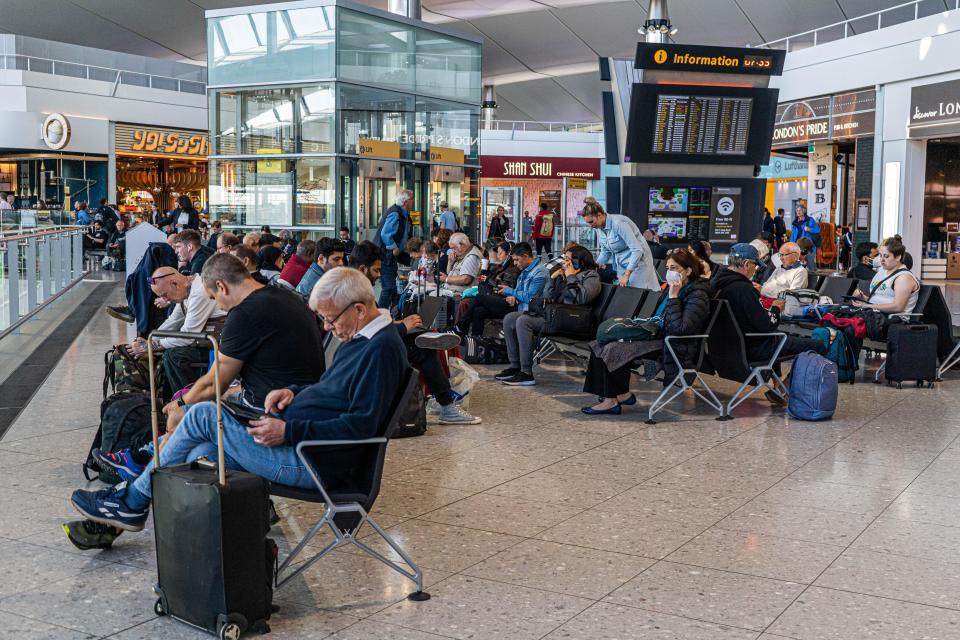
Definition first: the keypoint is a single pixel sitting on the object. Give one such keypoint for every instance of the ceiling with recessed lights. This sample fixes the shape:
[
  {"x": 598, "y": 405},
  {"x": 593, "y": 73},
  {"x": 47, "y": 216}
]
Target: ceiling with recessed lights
[{"x": 541, "y": 54}]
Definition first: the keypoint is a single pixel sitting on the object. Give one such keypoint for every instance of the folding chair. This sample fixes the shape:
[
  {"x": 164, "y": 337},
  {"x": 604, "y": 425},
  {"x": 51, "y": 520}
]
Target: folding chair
[
  {"x": 727, "y": 348},
  {"x": 688, "y": 373},
  {"x": 349, "y": 502}
]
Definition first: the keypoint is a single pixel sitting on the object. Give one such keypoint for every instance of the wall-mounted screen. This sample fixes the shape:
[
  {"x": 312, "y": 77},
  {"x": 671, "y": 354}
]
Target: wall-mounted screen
[
  {"x": 668, "y": 228},
  {"x": 668, "y": 199},
  {"x": 700, "y": 124}
]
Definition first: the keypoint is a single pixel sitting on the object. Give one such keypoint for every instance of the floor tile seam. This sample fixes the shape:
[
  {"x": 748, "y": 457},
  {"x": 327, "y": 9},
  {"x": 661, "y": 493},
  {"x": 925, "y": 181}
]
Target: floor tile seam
[
  {"x": 903, "y": 555},
  {"x": 389, "y": 624},
  {"x": 719, "y": 526},
  {"x": 5, "y": 446},
  {"x": 677, "y": 615},
  {"x": 852, "y": 542},
  {"x": 874, "y": 595},
  {"x": 672, "y": 551},
  {"x": 139, "y": 624},
  {"x": 821, "y": 508},
  {"x": 495, "y": 553},
  {"x": 53, "y": 624},
  {"x": 474, "y": 528}
]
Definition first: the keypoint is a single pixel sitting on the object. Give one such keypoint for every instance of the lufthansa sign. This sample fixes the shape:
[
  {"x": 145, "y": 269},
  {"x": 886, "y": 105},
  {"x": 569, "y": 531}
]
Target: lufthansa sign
[{"x": 687, "y": 57}]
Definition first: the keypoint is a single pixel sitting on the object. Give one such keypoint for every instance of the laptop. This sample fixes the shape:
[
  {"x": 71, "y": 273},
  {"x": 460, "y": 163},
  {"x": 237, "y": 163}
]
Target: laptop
[{"x": 430, "y": 307}]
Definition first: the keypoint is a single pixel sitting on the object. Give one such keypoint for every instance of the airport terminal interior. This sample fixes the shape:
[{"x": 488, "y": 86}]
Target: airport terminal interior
[{"x": 479, "y": 320}]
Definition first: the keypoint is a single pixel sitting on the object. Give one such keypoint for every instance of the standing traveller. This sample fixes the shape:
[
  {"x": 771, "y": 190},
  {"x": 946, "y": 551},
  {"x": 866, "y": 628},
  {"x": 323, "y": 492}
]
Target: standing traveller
[
  {"x": 806, "y": 227},
  {"x": 621, "y": 246},
  {"x": 448, "y": 219},
  {"x": 779, "y": 229},
  {"x": 499, "y": 226},
  {"x": 184, "y": 216},
  {"x": 392, "y": 236},
  {"x": 527, "y": 227},
  {"x": 543, "y": 228},
  {"x": 768, "y": 224},
  {"x": 348, "y": 243}
]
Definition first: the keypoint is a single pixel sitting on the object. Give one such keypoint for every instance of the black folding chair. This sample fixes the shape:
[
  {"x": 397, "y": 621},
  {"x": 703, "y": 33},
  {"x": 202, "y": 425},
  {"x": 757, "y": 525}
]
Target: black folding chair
[
  {"x": 547, "y": 347},
  {"x": 348, "y": 502},
  {"x": 688, "y": 376},
  {"x": 835, "y": 287},
  {"x": 727, "y": 349}
]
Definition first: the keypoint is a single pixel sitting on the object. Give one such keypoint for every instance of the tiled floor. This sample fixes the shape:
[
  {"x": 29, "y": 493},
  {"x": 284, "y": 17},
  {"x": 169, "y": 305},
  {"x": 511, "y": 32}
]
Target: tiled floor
[{"x": 540, "y": 523}]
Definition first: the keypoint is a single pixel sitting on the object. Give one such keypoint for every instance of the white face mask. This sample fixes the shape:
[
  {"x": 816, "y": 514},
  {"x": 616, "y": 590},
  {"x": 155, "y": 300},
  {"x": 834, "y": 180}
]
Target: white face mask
[
  {"x": 674, "y": 277},
  {"x": 777, "y": 261},
  {"x": 876, "y": 263}
]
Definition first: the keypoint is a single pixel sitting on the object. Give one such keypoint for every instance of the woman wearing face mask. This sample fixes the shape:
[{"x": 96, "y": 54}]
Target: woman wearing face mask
[
  {"x": 894, "y": 289},
  {"x": 684, "y": 310}
]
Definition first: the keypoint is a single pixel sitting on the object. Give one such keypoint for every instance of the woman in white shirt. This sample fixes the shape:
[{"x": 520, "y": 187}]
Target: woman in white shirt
[{"x": 894, "y": 289}]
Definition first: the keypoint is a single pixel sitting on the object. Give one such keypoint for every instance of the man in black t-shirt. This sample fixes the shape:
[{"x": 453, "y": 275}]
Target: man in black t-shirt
[{"x": 270, "y": 339}]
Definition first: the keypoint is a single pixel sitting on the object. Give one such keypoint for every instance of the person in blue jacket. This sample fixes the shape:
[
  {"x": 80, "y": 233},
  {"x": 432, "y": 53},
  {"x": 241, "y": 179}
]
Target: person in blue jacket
[
  {"x": 806, "y": 227},
  {"x": 392, "y": 235},
  {"x": 622, "y": 246}
]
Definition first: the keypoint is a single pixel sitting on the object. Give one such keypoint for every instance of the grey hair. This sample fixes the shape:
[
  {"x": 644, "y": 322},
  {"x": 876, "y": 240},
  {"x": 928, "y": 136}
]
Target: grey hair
[
  {"x": 460, "y": 239},
  {"x": 223, "y": 267},
  {"x": 343, "y": 286},
  {"x": 736, "y": 261}
]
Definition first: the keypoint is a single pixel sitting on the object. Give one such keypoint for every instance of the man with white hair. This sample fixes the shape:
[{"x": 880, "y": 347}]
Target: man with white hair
[
  {"x": 464, "y": 265},
  {"x": 392, "y": 235},
  {"x": 349, "y": 402}
]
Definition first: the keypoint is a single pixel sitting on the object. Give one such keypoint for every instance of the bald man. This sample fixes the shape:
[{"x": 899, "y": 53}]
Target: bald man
[
  {"x": 193, "y": 311},
  {"x": 789, "y": 274}
]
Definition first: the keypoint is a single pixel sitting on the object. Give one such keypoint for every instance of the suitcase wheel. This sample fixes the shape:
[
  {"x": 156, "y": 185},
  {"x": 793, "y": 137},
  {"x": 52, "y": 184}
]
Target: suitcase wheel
[
  {"x": 158, "y": 607},
  {"x": 229, "y": 631}
]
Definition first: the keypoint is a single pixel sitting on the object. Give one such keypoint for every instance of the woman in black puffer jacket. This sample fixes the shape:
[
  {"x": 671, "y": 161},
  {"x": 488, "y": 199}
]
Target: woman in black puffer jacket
[{"x": 684, "y": 310}]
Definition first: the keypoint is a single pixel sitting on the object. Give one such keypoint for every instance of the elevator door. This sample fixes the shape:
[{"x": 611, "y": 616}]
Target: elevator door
[{"x": 377, "y": 192}]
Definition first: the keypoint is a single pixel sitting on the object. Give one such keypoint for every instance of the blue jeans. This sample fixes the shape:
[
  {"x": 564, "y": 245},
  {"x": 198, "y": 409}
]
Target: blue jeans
[
  {"x": 388, "y": 280},
  {"x": 197, "y": 436}
]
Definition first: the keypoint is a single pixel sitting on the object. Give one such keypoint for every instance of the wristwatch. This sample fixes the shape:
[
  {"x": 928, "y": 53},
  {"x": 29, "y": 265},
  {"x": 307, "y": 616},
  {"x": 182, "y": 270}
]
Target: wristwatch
[{"x": 180, "y": 402}]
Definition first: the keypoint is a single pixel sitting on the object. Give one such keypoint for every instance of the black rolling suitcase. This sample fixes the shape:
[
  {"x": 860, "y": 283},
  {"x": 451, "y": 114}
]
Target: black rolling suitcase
[
  {"x": 911, "y": 353},
  {"x": 216, "y": 566}
]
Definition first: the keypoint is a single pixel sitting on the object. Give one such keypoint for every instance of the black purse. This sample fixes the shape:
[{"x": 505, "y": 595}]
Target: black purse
[{"x": 570, "y": 320}]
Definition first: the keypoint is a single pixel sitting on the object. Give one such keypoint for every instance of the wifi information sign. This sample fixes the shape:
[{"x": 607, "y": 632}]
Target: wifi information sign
[{"x": 725, "y": 214}]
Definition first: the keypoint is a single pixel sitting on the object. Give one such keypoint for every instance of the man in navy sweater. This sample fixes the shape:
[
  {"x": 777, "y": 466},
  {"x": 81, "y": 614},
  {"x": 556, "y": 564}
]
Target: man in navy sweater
[{"x": 349, "y": 402}]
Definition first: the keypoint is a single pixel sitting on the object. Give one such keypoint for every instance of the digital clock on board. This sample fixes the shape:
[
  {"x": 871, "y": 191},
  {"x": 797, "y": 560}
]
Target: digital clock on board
[{"x": 757, "y": 62}]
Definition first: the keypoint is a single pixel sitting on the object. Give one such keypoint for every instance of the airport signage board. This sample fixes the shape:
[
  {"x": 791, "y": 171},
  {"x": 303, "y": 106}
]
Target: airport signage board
[
  {"x": 934, "y": 108},
  {"x": 709, "y": 59},
  {"x": 845, "y": 115},
  {"x": 538, "y": 167}
]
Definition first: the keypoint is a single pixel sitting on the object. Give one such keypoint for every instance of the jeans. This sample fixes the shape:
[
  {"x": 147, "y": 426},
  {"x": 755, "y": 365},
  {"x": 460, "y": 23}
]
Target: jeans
[
  {"x": 388, "y": 281},
  {"x": 812, "y": 260},
  {"x": 197, "y": 436},
  {"x": 184, "y": 365},
  {"x": 520, "y": 331}
]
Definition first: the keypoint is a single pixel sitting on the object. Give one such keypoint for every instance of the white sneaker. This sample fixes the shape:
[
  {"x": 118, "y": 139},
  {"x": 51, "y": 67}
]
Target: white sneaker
[{"x": 454, "y": 414}]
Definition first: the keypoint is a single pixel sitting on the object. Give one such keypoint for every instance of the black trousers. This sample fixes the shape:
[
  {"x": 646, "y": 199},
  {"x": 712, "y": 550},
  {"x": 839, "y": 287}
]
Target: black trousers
[
  {"x": 184, "y": 365},
  {"x": 484, "y": 307},
  {"x": 602, "y": 382},
  {"x": 543, "y": 245},
  {"x": 427, "y": 362}
]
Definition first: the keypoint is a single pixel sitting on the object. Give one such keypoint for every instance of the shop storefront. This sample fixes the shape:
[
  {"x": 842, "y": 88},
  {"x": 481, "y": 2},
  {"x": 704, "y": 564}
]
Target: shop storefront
[
  {"x": 156, "y": 165},
  {"x": 320, "y": 115},
  {"x": 522, "y": 184},
  {"x": 823, "y": 158}
]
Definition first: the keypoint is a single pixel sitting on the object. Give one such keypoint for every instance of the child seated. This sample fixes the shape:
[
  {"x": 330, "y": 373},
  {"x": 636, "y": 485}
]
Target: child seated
[{"x": 422, "y": 277}]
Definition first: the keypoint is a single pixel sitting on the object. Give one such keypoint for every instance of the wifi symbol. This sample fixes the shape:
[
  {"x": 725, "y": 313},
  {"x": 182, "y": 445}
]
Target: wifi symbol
[{"x": 725, "y": 206}]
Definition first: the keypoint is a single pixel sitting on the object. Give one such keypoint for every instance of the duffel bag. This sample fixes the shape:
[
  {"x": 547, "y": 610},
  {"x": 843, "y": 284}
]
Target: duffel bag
[{"x": 571, "y": 320}]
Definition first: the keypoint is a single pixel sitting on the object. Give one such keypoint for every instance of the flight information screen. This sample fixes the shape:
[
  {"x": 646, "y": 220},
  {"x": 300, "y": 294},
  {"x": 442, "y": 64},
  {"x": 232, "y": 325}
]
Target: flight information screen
[{"x": 700, "y": 124}]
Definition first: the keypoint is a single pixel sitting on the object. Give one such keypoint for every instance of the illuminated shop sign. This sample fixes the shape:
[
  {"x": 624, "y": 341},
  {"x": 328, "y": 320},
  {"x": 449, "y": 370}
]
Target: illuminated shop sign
[
  {"x": 846, "y": 115},
  {"x": 537, "y": 167},
  {"x": 689, "y": 57},
  {"x": 935, "y": 109},
  {"x": 133, "y": 139}
]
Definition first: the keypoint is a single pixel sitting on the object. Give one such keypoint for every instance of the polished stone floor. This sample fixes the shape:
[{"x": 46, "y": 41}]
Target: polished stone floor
[{"x": 540, "y": 523}]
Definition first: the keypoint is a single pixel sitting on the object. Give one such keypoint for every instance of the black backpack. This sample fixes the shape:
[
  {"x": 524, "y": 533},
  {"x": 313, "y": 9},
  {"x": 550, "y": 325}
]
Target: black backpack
[
  {"x": 413, "y": 419},
  {"x": 484, "y": 350},
  {"x": 124, "y": 424}
]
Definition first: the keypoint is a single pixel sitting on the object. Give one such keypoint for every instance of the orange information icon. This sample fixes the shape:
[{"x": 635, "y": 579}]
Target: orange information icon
[{"x": 660, "y": 56}]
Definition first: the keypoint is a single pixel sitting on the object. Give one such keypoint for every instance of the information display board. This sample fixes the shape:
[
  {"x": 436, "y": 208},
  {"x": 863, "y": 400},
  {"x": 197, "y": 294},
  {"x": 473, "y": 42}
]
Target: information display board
[
  {"x": 725, "y": 208},
  {"x": 709, "y": 59},
  {"x": 700, "y": 124}
]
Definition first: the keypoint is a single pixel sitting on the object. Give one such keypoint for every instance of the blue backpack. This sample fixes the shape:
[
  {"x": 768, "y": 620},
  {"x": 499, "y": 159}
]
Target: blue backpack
[
  {"x": 839, "y": 352},
  {"x": 813, "y": 387}
]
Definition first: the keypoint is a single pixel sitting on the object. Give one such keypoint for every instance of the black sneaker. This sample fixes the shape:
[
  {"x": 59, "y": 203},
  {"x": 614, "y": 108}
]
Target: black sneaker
[
  {"x": 507, "y": 373},
  {"x": 86, "y": 534},
  {"x": 520, "y": 380},
  {"x": 121, "y": 312},
  {"x": 775, "y": 399}
]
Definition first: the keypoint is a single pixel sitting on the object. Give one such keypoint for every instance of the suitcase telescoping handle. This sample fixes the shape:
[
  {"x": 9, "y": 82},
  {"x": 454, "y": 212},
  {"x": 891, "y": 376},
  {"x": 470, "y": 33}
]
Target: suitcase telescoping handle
[{"x": 154, "y": 414}]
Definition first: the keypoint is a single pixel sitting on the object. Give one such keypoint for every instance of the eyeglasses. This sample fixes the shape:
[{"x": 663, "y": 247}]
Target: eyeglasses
[
  {"x": 153, "y": 280},
  {"x": 789, "y": 253},
  {"x": 345, "y": 309}
]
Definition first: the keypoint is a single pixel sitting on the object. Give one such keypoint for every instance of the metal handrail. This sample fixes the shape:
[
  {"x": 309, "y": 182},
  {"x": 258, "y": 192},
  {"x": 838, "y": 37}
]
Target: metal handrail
[
  {"x": 199, "y": 86},
  {"x": 772, "y": 44},
  {"x": 533, "y": 125}
]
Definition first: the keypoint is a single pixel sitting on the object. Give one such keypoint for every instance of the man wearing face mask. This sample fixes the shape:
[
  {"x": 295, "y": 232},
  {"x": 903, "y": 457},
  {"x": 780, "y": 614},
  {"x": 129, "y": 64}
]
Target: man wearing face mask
[
  {"x": 392, "y": 236},
  {"x": 868, "y": 261},
  {"x": 788, "y": 272}
]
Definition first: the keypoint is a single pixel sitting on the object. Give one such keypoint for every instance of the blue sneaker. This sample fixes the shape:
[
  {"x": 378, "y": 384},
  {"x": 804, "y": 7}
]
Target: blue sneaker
[
  {"x": 122, "y": 462},
  {"x": 109, "y": 506}
]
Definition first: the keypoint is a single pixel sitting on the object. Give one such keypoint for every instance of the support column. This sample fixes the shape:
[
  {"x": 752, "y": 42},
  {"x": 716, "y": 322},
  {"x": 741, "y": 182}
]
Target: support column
[{"x": 488, "y": 108}]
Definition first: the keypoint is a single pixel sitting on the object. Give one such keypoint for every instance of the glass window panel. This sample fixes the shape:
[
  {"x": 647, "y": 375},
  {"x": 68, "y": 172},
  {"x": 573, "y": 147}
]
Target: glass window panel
[
  {"x": 378, "y": 115},
  {"x": 447, "y": 66},
  {"x": 376, "y": 51},
  {"x": 273, "y": 46},
  {"x": 316, "y": 192},
  {"x": 251, "y": 193},
  {"x": 268, "y": 121},
  {"x": 448, "y": 125},
  {"x": 316, "y": 119},
  {"x": 224, "y": 109}
]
